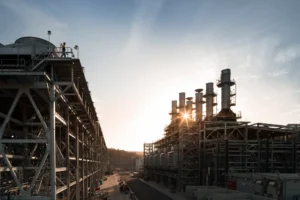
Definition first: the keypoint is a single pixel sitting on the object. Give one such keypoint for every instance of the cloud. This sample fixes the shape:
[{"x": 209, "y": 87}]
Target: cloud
[
  {"x": 279, "y": 72},
  {"x": 287, "y": 55},
  {"x": 35, "y": 20},
  {"x": 141, "y": 24},
  {"x": 254, "y": 76},
  {"x": 292, "y": 112}
]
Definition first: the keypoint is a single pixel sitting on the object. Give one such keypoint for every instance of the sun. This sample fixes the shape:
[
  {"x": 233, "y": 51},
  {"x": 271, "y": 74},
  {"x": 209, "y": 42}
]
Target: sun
[{"x": 185, "y": 116}]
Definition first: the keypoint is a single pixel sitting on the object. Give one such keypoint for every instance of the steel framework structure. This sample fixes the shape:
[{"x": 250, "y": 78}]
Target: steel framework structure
[
  {"x": 209, "y": 150},
  {"x": 51, "y": 142}
]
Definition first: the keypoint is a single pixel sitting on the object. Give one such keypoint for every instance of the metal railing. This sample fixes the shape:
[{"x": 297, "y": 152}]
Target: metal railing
[
  {"x": 12, "y": 64},
  {"x": 22, "y": 64},
  {"x": 58, "y": 52}
]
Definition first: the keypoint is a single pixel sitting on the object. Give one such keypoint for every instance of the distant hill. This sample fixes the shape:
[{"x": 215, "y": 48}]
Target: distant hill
[{"x": 123, "y": 159}]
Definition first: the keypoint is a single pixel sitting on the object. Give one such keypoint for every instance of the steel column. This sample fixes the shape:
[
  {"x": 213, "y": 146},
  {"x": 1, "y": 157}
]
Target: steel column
[
  {"x": 76, "y": 132},
  {"x": 52, "y": 142}
]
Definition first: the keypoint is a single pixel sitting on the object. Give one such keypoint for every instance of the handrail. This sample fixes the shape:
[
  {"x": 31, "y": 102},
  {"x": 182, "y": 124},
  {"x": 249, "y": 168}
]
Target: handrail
[{"x": 12, "y": 63}]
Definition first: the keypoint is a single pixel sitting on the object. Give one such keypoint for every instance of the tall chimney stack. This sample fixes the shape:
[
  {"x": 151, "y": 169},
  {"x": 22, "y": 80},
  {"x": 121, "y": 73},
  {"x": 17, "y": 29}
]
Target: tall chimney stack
[
  {"x": 225, "y": 83},
  {"x": 198, "y": 102},
  {"x": 210, "y": 95},
  {"x": 189, "y": 107},
  {"x": 174, "y": 110},
  {"x": 181, "y": 103}
]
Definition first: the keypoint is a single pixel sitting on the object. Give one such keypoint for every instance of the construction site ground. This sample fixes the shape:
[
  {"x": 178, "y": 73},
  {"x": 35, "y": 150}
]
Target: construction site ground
[
  {"x": 144, "y": 190},
  {"x": 111, "y": 185}
]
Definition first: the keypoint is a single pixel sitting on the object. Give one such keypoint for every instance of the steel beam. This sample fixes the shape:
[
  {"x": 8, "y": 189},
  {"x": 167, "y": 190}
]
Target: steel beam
[
  {"x": 36, "y": 85},
  {"x": 23, "y": 141},
  {"x": 40, "y": 115},
  {"x": 22, "y": 73},
  {"x": 12, "y": 108},
  {"x": 6, "y": 169},
  {"x": 11, "y": 119},
  {"x": 38, "y": 172},
  {"x": 14, "y": 175}
]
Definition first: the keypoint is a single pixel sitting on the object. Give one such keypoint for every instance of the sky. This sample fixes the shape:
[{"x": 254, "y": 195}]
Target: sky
[{"x": 139, "y": 54}]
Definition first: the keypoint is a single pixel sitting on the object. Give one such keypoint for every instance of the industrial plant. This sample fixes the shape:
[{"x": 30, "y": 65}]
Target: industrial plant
[
  {"x": 218, "y": 150},
  {"x": 51, "y": 142}
]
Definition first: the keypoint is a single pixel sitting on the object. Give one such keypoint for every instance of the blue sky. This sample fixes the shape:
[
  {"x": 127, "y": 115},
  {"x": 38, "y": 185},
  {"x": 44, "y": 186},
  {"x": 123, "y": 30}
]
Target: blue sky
[{"x": 140, "y": 54}]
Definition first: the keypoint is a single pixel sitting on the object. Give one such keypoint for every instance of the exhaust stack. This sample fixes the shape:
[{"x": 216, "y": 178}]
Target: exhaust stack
[
  {"x": 228, "y": 97},
  {"x": 225, "y": 84},
  {"x": 198, "y": 102},
  {"x": 210, "y": 100},
  {"x": 174, "y": 110},
  {"x": 189, "y": 107},
  {"x": 181, "y": 103}
]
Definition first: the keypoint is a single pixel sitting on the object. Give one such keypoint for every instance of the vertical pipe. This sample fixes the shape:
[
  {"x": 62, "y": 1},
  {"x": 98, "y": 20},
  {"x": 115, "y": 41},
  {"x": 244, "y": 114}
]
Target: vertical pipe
[{"x": 52, "y": 142}]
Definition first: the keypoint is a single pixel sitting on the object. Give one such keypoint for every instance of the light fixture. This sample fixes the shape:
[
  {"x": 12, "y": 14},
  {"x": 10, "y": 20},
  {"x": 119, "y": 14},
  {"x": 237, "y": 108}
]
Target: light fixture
[
  {"x": 49, "y": 33},
  {"x": 76, "y": 47}
]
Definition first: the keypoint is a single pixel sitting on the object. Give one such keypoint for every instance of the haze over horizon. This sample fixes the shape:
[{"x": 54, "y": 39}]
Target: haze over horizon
[{"x": 138, "y": 55}]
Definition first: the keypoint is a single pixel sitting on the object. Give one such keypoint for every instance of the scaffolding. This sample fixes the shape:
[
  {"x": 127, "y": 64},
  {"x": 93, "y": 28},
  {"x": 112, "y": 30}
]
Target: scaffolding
[{"x": 51, "y": 142}]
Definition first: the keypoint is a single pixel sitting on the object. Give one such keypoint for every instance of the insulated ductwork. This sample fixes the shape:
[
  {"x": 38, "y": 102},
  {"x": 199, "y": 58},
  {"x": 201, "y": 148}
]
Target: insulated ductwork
[
  {"x": 181, "y": 102},
  {"x": 210, "y": 100},
  {"x": 198, "y": 102}
]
